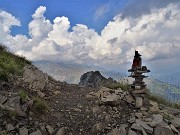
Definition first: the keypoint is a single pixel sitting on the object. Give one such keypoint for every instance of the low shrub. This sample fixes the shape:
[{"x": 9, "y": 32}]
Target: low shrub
[
  {"x": 40, "y": 105},
  {"x": 23, "y": 95}
]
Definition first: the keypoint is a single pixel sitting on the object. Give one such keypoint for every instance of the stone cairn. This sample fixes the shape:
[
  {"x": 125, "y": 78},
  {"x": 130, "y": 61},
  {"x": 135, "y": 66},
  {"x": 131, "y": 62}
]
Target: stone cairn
[{"x": 138, "y": 87}]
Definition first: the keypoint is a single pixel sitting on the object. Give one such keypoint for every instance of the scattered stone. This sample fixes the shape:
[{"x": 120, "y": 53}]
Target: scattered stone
[
  {"x": 98, "y": 127},
  {"x": 111, "y": 99},
  {"x": 23, "y": 131},
  {"x": 57, "y": 92},
  {"x": 41, "y": 94},
  {"x": 138, "y": 102},
  {"x": 162, "y": 130},
  {"x": 139, "y": 115},
  {"x": 174, "y": 129},
  {"x": 132, "y": 132},
  {"x": 108, "y": 119},
  {"x": 154, "y": 107},
  {"x": 9, "y": 127},
  {"x": 157, "y": 118},
  {"x": 132, "y": 120},
  {"x": 50, "y": 129},
  {"x": 3, "y": 99},
  {"x": 12, "y": 102},
  {"x": 97, "y": 110},
  {"x": 145, "y": 126},
  {"x": 37, "y": 132},
  {"x": 129, "y": 99},
  {"x": 61, "y": 131},
  {"x": 136, "y": 127},
  {"x": 116, "y": 131},
  {"x": 176, "y": 122}
]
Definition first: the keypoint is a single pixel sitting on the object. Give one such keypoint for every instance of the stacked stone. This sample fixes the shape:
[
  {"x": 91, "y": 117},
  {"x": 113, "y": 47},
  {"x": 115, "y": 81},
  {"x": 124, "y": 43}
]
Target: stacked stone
[{"x": 138, "y": 87}]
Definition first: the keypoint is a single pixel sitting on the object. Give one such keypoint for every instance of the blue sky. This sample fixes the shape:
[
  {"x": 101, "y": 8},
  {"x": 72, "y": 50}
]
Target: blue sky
[
  {"x": 78, "y": 11},
  {"x": 94, "y": 32}
]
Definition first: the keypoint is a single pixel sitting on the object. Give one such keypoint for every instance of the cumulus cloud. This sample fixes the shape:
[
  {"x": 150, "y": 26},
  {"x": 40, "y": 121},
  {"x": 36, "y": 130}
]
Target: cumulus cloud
[
  {"x": 39, "y": 27},
  {"x": 155, "y": 35}
]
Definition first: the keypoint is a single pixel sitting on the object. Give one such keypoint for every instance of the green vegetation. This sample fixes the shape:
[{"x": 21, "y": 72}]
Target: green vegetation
[
  {"x": 3, "y": 133},
  {"x": 40, "y": 105},
  {"x": 23, "y": 95},
  {"x": 162, "y": 100},
  {"x": 10, "y": 64},
  {"x": 13, "y": 113},
  {"x": 123, "y": 86}
]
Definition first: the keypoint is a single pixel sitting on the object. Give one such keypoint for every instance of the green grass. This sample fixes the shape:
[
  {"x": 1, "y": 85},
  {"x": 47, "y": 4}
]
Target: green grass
[
  {"x": 123, "y": 86},
  {"x": 23, "y": 95},
  {"x": 3, "y": 133},
  {"x": 40, "y": 105},
  {"x": 10, "y": 64},
  {"x": 162, "y": 100}
]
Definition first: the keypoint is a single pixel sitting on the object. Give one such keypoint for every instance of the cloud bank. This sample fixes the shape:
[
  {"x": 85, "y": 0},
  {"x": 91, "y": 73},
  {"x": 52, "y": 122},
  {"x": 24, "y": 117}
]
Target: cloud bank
[{"x": 155, "y": 35}]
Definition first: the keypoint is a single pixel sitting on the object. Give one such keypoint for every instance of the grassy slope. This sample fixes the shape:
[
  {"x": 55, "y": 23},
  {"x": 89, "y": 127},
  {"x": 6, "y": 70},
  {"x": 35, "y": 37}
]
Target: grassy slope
[{"x": 10, "y": 64}]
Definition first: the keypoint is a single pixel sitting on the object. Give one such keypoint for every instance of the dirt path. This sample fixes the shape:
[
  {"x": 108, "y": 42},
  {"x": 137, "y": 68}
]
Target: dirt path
[{"x": 71, "y": 109}]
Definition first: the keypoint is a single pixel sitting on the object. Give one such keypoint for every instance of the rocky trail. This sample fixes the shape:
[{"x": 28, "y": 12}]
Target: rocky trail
[{"x": 77, "y": 110}]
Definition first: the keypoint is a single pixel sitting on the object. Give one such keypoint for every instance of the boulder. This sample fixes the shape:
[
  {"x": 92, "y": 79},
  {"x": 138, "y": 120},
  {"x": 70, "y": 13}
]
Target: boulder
[
  {"x": 131, "y": 132},
  {"x": 111, "y": 99},
  {"x": 147, "y": 128},
  {"x": 138, "y": 102},
  {"x": 50, "y": 129},
  {"x": 36, "y": 79},
  {"x": 37, "y": 132},
  {"x": 9, "y": 127},
  {"x": 176, "y": 122},
  {"x": 23, "y": 131},
  {"x": 163, "y": 130},
  {"x": 3, "y": 99},
  {"x": 61, "y": 131}
]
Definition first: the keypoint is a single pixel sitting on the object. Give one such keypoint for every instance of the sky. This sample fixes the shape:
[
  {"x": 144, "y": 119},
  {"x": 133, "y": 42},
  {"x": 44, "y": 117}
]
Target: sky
[{"x": 94, "y": 32}]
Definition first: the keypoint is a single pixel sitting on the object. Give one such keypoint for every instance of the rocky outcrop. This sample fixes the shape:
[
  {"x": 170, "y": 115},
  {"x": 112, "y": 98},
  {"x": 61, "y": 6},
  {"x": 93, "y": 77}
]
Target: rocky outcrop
[
  {"x": 94, "y": 79},
  {"x": 35, "y": 80}
]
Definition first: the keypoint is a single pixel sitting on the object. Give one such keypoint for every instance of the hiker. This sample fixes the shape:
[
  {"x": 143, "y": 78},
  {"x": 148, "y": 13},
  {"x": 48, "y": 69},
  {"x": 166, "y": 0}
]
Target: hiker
[{"x": 137, "y": 62}]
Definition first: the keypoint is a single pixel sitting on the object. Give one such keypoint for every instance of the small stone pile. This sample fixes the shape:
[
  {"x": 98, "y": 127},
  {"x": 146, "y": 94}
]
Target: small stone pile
[{"x": 138, "y": 88}]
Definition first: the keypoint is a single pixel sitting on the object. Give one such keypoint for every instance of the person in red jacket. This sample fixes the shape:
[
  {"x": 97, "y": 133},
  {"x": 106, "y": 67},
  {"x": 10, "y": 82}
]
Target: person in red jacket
[{"x": 137, "y": 61}]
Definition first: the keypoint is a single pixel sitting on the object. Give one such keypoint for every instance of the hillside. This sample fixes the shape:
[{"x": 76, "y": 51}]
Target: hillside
[
  {"x": 10, "y": 64},
  {"x": 33, "y": 103}
]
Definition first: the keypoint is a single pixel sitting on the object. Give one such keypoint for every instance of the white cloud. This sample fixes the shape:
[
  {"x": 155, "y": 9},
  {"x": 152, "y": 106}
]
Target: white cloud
[
  {"x": 155, "y": 35},
  {"x": 60, "y": 33},
  {"x": 101, "y": 11},
  {"x": 39, "y": 27}
]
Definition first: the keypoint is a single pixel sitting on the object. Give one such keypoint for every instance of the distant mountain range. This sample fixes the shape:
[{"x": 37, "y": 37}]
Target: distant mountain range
[
  {"x": 71, "y": 73},
  {"x": 171, "y": 78}
]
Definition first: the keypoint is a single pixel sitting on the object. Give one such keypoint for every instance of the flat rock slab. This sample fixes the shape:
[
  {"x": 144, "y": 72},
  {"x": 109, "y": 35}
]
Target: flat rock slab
[
  {"x": 176, "y": 122},
  {"x": 38, "y": 132},
  {"x": 147, "y": 128},
  {"x": 3, "y": 99},
  {"x": 163, "y": 131},
  {"x": 110, "y": 99},
  {"x": 23, "y": 131}
]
